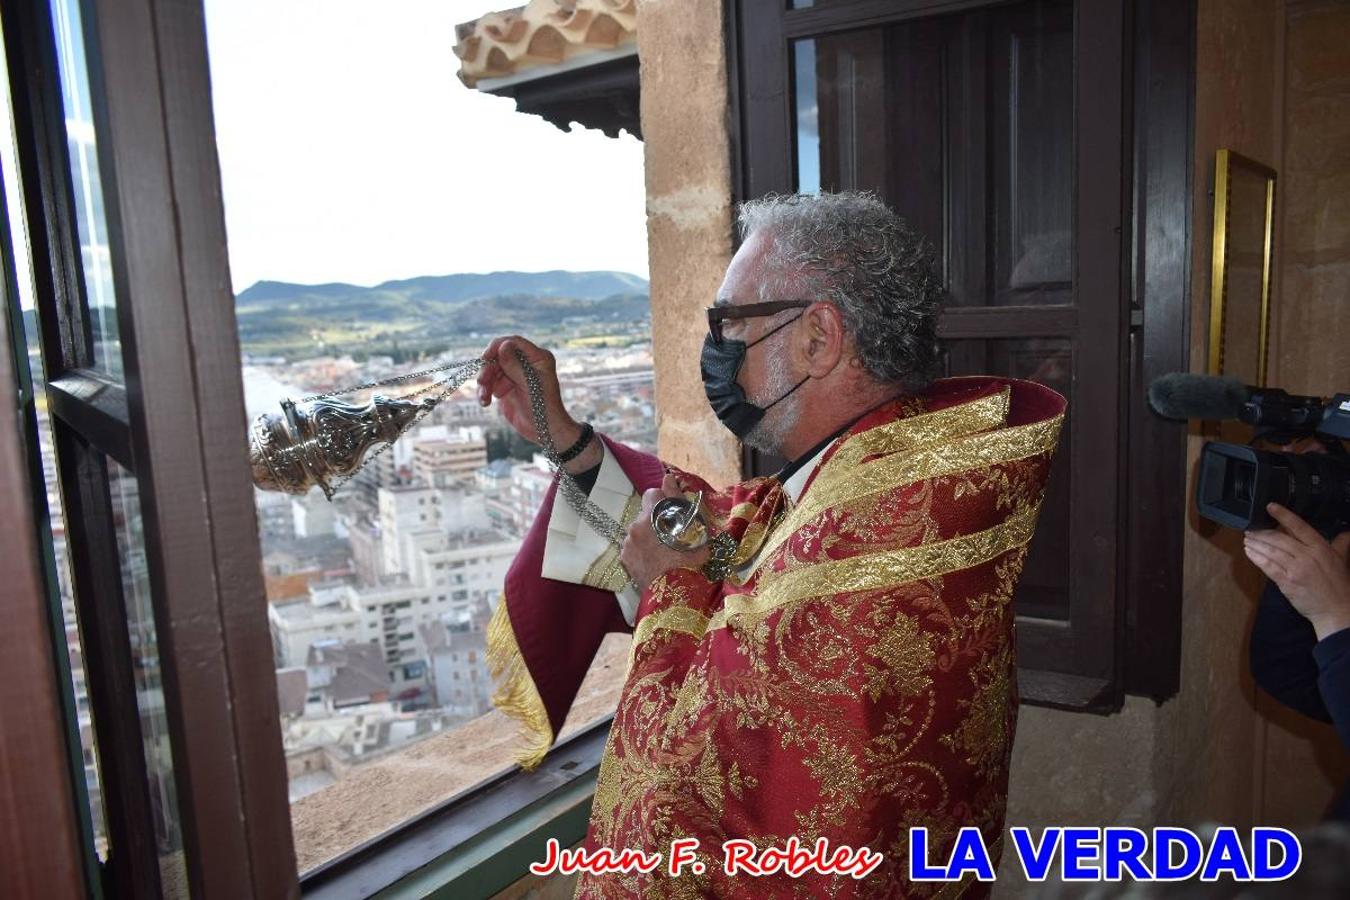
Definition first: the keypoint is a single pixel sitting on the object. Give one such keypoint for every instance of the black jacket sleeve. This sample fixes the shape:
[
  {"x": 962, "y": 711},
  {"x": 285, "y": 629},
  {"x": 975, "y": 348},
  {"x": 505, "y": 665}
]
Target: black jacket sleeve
[
  {"x": 1303, "y": 673},
  {"x": 1282, "y": 660},
  {"x": 1333, "y": 660}
]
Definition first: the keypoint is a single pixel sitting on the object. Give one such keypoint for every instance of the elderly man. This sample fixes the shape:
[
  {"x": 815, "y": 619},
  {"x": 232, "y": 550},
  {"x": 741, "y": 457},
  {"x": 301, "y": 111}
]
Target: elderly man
[{"x": 840, "y": 668}]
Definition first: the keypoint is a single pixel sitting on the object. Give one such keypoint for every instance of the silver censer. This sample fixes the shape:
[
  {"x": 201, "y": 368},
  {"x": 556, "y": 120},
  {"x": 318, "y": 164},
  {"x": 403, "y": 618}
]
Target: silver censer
[{"x": 324, "y": 442}]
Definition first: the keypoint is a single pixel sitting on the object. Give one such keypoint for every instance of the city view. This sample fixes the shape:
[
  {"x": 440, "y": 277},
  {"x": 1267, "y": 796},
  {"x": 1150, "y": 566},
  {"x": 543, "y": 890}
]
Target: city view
[{"x": 379, "y": 600}]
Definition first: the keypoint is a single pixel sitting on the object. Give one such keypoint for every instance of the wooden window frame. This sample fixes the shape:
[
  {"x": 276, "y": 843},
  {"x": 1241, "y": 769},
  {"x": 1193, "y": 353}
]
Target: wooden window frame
[
  {"x": 1135, "y": 203},
  {"x": 180, "y": 401},
  {"x": 44, "y": 820}
]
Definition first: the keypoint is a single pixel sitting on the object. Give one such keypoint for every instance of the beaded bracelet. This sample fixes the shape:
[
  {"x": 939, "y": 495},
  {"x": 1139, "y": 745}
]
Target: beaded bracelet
[{"x": 572, "y": 452}]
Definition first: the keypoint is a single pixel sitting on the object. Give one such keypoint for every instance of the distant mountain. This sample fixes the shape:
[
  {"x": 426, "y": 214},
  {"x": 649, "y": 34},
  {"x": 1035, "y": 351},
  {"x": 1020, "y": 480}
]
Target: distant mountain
[
  {"x": 276, "y": 316},
  {"x": 450, "y": 288}
]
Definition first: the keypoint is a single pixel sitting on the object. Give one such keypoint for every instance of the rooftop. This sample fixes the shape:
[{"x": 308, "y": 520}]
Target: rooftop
[
  {"x": 377, "y": 796},
  {"x": 292, "y": 688},
  {"x": 301, "y": 613},
  {"x": 360, "y": 671},
  {"x": 498, "y": 468},
  {"x": 542, "y": 35}
]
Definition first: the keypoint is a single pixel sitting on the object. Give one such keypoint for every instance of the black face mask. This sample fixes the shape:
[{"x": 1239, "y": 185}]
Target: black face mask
[{"x": 720, "y": 364}]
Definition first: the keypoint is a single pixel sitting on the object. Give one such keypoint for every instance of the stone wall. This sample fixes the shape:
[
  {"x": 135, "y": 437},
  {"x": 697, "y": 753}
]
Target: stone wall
[
  {"x": 1312, "y": 298},
  {"x": 1310, "y": 338},
  {"x": 689, "y": 229}
]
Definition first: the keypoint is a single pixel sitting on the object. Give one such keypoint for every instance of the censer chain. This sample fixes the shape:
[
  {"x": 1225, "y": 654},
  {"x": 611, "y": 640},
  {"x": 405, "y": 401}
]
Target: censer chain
[
  {"x": 469, "y": 367},
  {"x": 576, "y": 497}
]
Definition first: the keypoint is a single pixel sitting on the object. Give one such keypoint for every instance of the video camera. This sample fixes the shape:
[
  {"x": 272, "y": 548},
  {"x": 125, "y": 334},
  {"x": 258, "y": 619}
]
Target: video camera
[{"x": 1235, "y": 481}]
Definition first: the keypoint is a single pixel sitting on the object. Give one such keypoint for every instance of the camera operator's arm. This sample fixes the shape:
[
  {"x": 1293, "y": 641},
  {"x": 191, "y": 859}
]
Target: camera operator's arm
[
  {"x": 1281, "y": 655},
  {"x": 1313, "y": 575}
]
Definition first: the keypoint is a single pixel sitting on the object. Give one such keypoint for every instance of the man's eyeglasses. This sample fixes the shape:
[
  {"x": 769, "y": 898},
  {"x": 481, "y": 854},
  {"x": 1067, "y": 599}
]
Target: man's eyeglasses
[{"x": 719, "y": 314}]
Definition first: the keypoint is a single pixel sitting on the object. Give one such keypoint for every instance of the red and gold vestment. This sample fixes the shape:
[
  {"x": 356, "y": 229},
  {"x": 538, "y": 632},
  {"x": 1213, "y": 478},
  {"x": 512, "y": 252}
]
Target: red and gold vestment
[{"x": 855, "y": 677}]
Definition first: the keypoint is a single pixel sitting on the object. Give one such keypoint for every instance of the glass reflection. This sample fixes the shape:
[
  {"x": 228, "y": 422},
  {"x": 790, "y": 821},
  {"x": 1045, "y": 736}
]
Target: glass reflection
[
  {"x": 125, "y": 494},
  {"x": 808, "y": 117},
  {"x": 16, "y": 252},
  {"x": 90, "y": 221}
]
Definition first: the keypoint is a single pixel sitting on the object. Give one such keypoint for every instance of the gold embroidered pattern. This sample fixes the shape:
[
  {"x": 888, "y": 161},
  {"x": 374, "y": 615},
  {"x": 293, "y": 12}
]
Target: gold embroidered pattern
[
  {"x": 983, "y": 735},
  {"x": 879, "y": 570},
  {"x": 932, "y": 461},
  {"x": 861, "y": 685},
  {"x": 906, "y": 656},
  {"x": 606, "y": 572},
  {"x": 923, "y": 429},
  {"x": 757, "y": 531},
  {"x": 680, "y": 619}
]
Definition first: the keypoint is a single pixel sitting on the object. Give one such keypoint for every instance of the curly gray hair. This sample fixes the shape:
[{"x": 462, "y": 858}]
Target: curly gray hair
[{"x": 852, "y": 250}]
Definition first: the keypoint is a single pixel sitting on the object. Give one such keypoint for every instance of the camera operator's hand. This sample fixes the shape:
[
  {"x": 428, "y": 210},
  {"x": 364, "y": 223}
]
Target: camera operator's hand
[
  {"x": 1312, "y": 572},
  {"x": 504, "y": 378}
]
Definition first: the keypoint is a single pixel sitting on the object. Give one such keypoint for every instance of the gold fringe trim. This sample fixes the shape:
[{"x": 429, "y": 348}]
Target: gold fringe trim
[{"x": 515, "y": 693}]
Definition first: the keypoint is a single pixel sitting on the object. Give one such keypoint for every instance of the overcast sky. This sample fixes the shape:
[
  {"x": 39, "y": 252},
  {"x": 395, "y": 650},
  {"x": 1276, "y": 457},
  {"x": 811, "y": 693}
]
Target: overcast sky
[{"x": 350, "y": 151}]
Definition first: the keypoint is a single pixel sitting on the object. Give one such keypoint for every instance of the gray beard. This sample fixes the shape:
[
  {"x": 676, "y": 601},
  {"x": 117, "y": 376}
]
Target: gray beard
[{"x": 770, "y": 433}]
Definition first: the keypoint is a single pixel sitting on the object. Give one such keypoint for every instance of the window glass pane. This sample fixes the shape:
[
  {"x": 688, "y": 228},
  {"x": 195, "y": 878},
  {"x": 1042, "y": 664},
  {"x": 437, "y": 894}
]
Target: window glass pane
[
  {"x": 379, "y": 601},
  {"x": 964, "y": 124},
  {"x": 61, "y": 555},
  {"x": 1043, "y": 589},
  {"x": 1031, "y": 108},
  {"x": 808, "y": 119},
  {"x": 91, "y": 226},
  {"x": 125, "y": 493},
  {"x": 17, "y": 252}
]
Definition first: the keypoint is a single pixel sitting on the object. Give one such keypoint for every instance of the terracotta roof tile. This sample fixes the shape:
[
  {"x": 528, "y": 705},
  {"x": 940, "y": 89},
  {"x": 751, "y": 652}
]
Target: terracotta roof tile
[
  {"x": 285, "y": 587},
  {"x": 541, "y": 33}
]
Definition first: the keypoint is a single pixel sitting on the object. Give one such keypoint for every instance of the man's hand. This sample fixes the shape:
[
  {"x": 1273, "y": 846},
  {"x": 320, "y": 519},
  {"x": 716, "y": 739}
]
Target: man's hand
[
  {"x": 504, "y": 378},
  {"x": 1312, "y": 572},
  {"x": 642, "y": 554}
]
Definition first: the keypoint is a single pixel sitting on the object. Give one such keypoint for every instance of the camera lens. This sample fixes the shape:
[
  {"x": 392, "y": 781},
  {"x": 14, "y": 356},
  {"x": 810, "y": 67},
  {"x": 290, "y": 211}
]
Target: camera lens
[{"x": 1243, "y": 477}]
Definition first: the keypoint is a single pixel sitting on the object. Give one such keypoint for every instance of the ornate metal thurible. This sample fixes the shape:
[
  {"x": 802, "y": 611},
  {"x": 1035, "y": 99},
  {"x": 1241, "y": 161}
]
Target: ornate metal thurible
[
  {"x": 325, "y": 440},
  {"x": 322, "y": 441}
]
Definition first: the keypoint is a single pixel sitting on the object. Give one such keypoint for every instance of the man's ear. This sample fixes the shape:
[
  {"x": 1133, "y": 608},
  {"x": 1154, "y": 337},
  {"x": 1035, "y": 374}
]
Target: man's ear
[{"x": 825, "y": 338}]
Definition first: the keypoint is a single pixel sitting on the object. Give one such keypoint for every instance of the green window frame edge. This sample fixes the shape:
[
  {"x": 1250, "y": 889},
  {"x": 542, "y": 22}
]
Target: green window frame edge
[
  {"x": 480, "y": 841},
  {"x": 500, "y": 855}
]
